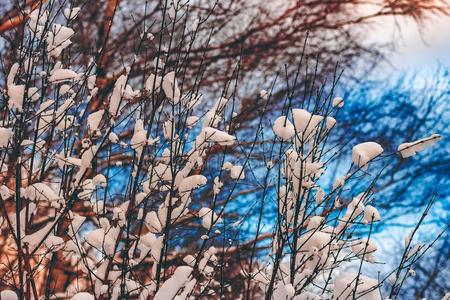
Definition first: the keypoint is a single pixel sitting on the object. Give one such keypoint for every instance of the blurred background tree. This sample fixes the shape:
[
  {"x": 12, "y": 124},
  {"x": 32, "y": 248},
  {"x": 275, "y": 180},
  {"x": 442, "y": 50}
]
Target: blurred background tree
[{"x": 268, "y": 38}]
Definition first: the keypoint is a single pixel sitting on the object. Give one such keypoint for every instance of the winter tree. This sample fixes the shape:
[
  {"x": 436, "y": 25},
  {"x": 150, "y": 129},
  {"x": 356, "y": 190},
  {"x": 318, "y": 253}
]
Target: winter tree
[{"x": 132, "y": 167}]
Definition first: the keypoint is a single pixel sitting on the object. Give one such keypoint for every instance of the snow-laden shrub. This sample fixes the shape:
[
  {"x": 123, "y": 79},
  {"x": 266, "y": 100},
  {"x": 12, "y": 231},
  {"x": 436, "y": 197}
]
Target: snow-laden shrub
[{"x": 111, "y": 185}]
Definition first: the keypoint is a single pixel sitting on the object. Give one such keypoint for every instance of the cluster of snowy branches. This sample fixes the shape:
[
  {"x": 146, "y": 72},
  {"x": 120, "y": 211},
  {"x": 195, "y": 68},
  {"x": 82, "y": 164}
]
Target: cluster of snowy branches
[{"x": 123, "y": 201}]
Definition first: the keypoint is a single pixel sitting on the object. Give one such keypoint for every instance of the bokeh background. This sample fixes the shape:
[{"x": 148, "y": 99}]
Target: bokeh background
[{"x": 395, "y": 59}]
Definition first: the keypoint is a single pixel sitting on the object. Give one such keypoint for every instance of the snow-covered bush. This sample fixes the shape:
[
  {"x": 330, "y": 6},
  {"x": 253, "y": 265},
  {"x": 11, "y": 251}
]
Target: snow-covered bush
[{"x": 129, "y": 190}]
